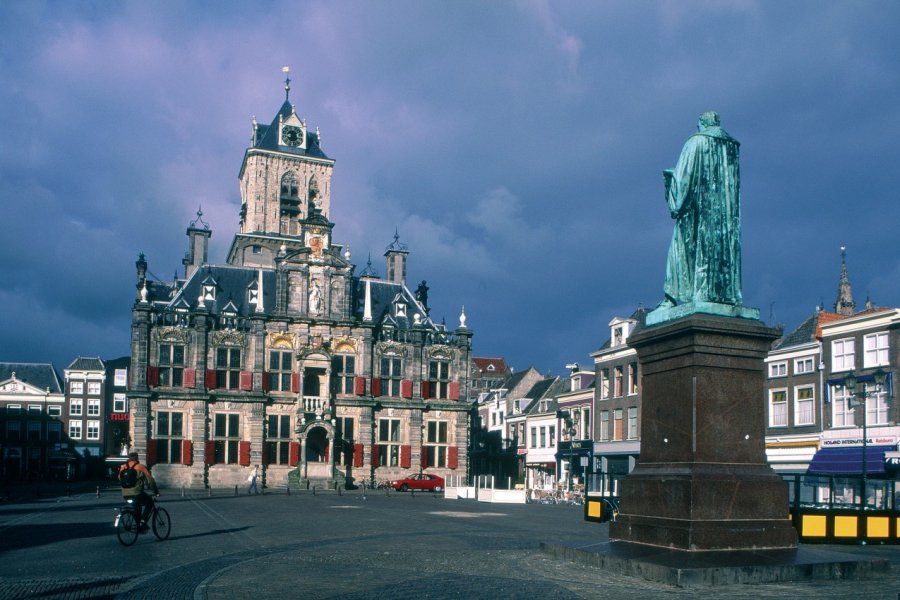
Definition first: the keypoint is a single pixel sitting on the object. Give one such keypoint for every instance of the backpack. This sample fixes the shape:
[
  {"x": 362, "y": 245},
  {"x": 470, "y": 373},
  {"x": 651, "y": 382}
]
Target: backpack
[{"x": 129, "y": 476}]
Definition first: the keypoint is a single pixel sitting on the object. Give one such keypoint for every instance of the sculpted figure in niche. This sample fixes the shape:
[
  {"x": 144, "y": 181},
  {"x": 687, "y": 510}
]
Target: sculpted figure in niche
[
  {"x": 315, "y": 299},
  {"x": 704, "y": 198}
]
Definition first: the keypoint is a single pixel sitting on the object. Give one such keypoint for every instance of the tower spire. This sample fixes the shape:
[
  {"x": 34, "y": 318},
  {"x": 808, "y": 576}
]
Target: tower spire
[
  {"x": 287, "y": 82},
  {"x": 844, "y": 305}
]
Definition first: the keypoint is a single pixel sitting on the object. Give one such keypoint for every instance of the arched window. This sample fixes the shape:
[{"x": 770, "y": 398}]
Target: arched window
[{"x": 290, "y": 194}]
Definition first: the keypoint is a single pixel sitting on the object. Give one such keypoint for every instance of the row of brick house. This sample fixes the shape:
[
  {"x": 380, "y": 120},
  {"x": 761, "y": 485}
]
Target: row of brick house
[
  {"x": 591, "y": 426},
  {"x": 62, "y": 427}
]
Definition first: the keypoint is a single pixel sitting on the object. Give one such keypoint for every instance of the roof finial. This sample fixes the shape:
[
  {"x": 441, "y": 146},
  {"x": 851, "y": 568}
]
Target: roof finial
[
  {"x": 287, "y": 82},
  {"x": 199, "y": 218}
]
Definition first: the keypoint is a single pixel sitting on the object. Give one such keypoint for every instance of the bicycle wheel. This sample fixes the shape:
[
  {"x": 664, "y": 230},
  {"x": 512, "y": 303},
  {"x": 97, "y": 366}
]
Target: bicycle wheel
[
  {"x": 127, "y": 528},
  {"x": 162, "y": 525}
]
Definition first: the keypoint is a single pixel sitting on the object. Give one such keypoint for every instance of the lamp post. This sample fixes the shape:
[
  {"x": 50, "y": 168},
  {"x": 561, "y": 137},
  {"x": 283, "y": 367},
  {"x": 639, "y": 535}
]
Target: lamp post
[{"x": 859, "y": 399}]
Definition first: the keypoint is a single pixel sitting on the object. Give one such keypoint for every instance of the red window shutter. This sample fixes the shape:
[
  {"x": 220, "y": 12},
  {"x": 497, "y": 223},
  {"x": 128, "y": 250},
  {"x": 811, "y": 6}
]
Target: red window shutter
[
  {"x": 406, "y": 388},
  {"x": 265, "y": 454},
  {"x": 405, "y": 456},
  {"x": 267, "y": 383},
  {"x": 424, "y": 461},
  {"x": 210, "y": 381},
  {"x": 152, "y": 376},
  {"x": 294, "y": 453},
  {"x": 151, "y": 452},
  {"x": 357, "y": 455},
  {"x": 359, "y": 386},
  {"x": 295, "y": 383},
  {"x": 376, "y": 387},
  {"x": 375, "y": 455},
  {"x": 244, "y": 453},
  {"x": 190, "y": 378},
  {"x": 187, "y": 452},
  {"x": 452, "y": 457},
  {"x": 245, "y": 381},
  {"x": 426, "y": 389},
  {"x": 209, "y": 451},
  {"x": 327, "y": 452},
  {"x": 453, "y": 390}
]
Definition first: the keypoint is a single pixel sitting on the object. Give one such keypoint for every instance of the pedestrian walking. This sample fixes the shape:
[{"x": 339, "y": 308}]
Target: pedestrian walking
[{"x": 254, "y": 475}]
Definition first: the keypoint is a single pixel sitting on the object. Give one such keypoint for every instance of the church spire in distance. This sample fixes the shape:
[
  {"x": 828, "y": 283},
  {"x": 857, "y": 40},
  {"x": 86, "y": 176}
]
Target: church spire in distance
[{"x": 844, "y": 305}]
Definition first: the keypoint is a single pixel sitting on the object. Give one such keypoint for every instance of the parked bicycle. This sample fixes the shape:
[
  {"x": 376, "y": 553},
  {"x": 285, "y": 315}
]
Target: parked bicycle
[{"x": 127, "y": 520}]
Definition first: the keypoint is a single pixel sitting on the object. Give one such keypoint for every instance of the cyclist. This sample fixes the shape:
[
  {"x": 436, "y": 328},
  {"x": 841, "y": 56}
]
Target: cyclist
[{"x": 136, "y": 479}]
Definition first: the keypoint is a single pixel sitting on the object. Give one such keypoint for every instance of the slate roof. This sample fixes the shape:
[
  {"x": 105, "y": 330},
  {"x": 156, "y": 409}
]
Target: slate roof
[
  {"x": 515, "y": 378},
  {"x": 40, "y": 375},
  {"x": 808, "y": 331},
  {"x": 232, "y": 285},
  {"x": 86, "y": 364},
  {"x": 267, "y": 136},
  {"x": 383, "y": 295}
]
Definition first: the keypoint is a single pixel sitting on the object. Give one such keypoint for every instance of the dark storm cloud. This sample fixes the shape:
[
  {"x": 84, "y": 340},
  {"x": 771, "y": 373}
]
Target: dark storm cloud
[{"x": 517, "y": 147}]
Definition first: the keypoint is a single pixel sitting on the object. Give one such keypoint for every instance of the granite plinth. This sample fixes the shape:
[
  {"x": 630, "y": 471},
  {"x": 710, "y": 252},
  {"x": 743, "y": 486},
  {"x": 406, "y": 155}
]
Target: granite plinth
[
  {"x": 694, "y": 569},
  {"x": 703, "y": 482}
]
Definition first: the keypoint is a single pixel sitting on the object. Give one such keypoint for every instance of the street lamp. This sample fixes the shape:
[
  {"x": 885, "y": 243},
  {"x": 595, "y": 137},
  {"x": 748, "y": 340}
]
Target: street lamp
[{"x": 859, "y": 399}]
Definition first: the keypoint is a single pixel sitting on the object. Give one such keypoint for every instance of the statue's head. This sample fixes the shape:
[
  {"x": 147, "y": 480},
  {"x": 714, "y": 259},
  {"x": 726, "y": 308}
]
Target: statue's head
[{"x": 709, "y": 119}]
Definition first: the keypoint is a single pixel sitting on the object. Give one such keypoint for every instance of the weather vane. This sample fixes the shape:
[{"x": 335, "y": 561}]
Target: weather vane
[{"x": 287, "y": 82}]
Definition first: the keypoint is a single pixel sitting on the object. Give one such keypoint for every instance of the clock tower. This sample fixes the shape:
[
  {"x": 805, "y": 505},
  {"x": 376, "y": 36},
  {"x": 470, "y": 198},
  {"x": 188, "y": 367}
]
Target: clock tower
[{"x": 285, "y": 179}]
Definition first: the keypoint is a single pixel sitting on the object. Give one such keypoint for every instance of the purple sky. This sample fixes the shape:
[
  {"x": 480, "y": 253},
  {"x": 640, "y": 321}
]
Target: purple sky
[{"x": 517, "y": 147}]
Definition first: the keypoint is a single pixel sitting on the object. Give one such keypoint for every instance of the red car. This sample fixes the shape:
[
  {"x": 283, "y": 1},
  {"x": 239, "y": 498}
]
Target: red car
[{"x": 422, "y": 481}]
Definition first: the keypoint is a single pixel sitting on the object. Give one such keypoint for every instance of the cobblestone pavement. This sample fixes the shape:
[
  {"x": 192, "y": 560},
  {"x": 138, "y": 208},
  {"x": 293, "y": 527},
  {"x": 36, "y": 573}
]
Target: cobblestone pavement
[{"x": 336, "y": 547}]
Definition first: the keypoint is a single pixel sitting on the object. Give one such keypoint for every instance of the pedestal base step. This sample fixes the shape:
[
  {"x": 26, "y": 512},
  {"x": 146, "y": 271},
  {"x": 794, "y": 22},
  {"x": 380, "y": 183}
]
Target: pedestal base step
[{"x": 681, "y": 568}]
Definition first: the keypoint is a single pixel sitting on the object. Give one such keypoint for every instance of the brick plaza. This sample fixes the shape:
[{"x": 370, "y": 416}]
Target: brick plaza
[{"x": 386, "y": 545}]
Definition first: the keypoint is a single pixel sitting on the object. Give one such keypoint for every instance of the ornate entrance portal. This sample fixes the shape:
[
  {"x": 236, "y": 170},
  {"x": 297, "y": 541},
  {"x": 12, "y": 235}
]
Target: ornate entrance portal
[{"x": 316, "y": 440}]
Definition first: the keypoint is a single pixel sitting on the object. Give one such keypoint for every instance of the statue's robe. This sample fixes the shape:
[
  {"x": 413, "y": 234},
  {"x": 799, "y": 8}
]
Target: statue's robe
[{"x": 704, "y": 262}]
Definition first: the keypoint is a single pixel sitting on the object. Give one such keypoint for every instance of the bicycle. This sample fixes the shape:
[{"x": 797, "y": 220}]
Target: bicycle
[{"x": 127, "y": 520}]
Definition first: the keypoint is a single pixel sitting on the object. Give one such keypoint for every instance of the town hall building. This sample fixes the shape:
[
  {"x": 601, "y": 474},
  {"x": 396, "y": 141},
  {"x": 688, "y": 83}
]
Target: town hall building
[{"x": 285, "y": 356}]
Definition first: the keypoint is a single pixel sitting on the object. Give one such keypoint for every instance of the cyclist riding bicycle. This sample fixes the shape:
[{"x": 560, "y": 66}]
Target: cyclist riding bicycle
[{"x": 136, "y": 480}]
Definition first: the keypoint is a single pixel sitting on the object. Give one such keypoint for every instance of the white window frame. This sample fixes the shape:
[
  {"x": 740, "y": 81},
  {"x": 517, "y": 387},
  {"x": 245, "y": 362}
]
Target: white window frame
[
  {"x": 93, "y": 407},
  {"x": 93, "y": 430},
  {"x": 120, "y": 378},
  {"x": 54, "y": 410},
  {"x": 776, "y": 420},
  {"x": 93, "y": 388},
  {"x": 120, "y": 403},
  {"x": 842, "y": 414},
  {"x": 843, "y": 355},
  {"x": 800, "y": 405},
  {"x": 604, "y": 425},
  {"x": 76, "y": 387},
  {"x": 632, "y": 427},
  {"x": 877, "y": 407},
  {"x": 75, "y": 429},
  {"x": 778, "y": 369},
  {"x": 876, "y": 350},
  {"x": 76, "y": 407},
  {"x": 801, "y": 364}
]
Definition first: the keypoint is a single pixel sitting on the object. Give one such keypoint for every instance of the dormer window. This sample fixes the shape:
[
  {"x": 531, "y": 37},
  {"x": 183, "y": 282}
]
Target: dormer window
[
  {"x": 618, "y": 336},
  {"x": 208, "y": 294},
  {"x": 400, "y": 309}
]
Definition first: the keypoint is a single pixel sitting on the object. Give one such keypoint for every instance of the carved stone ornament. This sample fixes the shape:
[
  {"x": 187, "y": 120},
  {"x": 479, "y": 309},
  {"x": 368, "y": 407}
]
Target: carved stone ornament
[
  {"x": 228, "y": 338},
  {"x": 281, "y": 340},
  {"x": 391, "y": 348},
  {"x": 440, "y": 352},
  {"x": 344, "y": 345},
  {"x": 174, "y": 334}
]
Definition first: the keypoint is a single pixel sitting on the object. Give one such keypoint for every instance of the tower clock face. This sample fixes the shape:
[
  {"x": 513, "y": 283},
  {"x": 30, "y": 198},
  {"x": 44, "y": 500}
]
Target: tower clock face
[{"x": 292, "y": 136}]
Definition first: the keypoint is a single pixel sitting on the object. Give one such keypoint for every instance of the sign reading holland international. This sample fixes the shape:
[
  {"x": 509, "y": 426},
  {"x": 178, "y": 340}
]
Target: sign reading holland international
[{"x": 879, "y": 440}]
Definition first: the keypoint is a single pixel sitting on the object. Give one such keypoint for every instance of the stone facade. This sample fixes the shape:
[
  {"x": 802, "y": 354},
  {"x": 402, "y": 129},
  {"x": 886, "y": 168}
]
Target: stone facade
[{"x": 284, "y": 357}]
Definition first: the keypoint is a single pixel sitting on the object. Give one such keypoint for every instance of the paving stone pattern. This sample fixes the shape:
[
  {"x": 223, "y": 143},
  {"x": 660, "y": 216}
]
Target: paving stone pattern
[{"x": 395, "y": 546}]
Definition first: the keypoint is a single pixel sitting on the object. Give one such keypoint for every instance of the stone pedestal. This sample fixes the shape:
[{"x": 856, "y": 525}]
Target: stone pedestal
[{"x": 703, "y": 482}]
